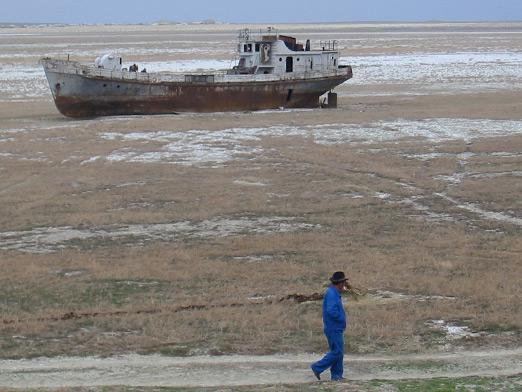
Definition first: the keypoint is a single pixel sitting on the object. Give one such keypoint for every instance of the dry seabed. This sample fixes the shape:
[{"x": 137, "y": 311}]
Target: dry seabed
[
  {"x": 51, "y": 239},
  {"x": 217, "y": 147},
  {"x": 138, "y": 234}
]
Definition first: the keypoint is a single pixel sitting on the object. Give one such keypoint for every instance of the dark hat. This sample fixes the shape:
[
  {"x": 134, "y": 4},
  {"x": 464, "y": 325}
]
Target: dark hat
[{"x": 338, "y": 277}]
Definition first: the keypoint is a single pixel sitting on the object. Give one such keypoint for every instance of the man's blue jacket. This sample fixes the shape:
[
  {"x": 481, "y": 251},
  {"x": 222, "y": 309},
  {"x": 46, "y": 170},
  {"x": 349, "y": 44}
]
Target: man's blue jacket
[{"x": 334, "y": 318}]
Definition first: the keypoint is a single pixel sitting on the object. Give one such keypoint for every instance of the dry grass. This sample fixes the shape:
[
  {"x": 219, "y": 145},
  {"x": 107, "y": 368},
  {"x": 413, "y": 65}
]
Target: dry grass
[{"x": 382, "y": 243}]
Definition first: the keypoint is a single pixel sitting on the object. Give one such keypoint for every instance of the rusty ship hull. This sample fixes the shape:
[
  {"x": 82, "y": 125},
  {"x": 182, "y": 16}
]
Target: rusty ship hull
[{"x": 81, "y": 91}]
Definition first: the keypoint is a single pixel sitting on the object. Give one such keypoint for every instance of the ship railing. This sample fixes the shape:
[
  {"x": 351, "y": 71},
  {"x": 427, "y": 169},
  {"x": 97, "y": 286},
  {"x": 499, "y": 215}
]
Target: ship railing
[
  {"x": 205, "y": 77},
  {"x": 245, "y": 35},
  {"x": 193, "y": 77},
  {"x": 329, "y": 45},
  {"x": 290, "y": 76},
  {"x": 149, "y": 77}
]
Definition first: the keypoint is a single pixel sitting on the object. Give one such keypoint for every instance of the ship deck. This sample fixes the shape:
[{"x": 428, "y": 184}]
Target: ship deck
[{"x": 210, "y": 76}]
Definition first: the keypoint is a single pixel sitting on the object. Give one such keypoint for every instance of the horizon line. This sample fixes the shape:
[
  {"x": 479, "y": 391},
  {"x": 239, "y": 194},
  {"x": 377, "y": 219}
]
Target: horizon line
[{"x": 217, "y": 22}]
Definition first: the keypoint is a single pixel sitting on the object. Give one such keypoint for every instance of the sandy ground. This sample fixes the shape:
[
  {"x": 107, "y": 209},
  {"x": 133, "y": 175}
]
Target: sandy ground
[
  {"x": 430, "y": 83},
  {"x": 135, "y": 370}
]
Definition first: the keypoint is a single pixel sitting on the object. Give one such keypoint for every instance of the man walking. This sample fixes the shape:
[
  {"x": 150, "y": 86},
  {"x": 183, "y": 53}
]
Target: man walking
[{"x": 334, "y": 321}]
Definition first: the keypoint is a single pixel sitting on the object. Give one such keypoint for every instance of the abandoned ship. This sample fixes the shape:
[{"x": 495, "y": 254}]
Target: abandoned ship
[{"x": 273, "y": 71}]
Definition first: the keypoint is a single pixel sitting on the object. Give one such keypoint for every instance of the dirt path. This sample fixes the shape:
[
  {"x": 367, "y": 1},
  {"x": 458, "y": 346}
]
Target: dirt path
[{"x": 155, "y": 370}]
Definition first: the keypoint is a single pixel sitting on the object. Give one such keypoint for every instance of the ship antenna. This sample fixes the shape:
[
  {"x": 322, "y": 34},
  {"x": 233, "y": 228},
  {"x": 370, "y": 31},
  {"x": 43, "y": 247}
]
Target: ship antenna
[{"x": 244, "y": 34}]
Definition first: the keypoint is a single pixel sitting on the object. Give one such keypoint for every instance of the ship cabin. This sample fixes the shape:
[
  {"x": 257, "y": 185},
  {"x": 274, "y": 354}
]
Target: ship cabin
[{"x": 273, "y": 53}]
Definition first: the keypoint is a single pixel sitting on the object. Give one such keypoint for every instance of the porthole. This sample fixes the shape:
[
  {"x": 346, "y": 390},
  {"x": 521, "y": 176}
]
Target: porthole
[
  {"x": 280, "y": 59},
  {"x": 118, "y": 86}
]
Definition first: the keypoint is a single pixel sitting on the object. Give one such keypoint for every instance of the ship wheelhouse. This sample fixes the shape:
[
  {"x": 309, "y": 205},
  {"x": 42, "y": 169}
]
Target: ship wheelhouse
[{"x": 272, "y": 53}]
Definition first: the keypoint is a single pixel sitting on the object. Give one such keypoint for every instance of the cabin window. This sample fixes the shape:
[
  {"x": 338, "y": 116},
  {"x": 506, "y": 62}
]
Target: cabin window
[
  {"x": 335, "y": 63},
  {"x": 247, "y": 48},
  {"x": 257, "y": 47},
  {"x": 311, "y": 64}
]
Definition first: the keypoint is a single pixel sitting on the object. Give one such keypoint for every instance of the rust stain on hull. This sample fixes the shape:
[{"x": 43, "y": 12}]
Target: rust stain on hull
[{"x": 138, "y": 98}]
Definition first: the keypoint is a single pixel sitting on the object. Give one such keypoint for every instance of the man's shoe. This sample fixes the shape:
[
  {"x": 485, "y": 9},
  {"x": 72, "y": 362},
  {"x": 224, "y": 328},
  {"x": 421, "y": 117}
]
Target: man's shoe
[
  {"x": 339, "y": 379},
  {"x": 317, "y": 374}
]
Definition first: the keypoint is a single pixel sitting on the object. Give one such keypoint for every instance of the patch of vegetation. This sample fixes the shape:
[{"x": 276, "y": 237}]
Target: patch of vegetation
[
  {"x": 476, "y": 384},
  {"x": 27, "y": 298},
  {"x": 118, "y": 291},
  {"x": 464, "y": 384},
  {"x": 86, "y": 244},
  {"x": 75, "y": 295},
  {"x": 434, "y": 337},
  {"x": 176, "y": 351},
  {"x": 424, "y": 365},
  {"x": 497, "y": 329}
]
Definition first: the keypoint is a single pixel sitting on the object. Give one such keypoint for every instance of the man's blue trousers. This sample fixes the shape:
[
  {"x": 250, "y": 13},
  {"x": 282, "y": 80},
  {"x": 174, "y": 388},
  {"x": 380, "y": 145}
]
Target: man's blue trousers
[{"x": 334, "y": 358}]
